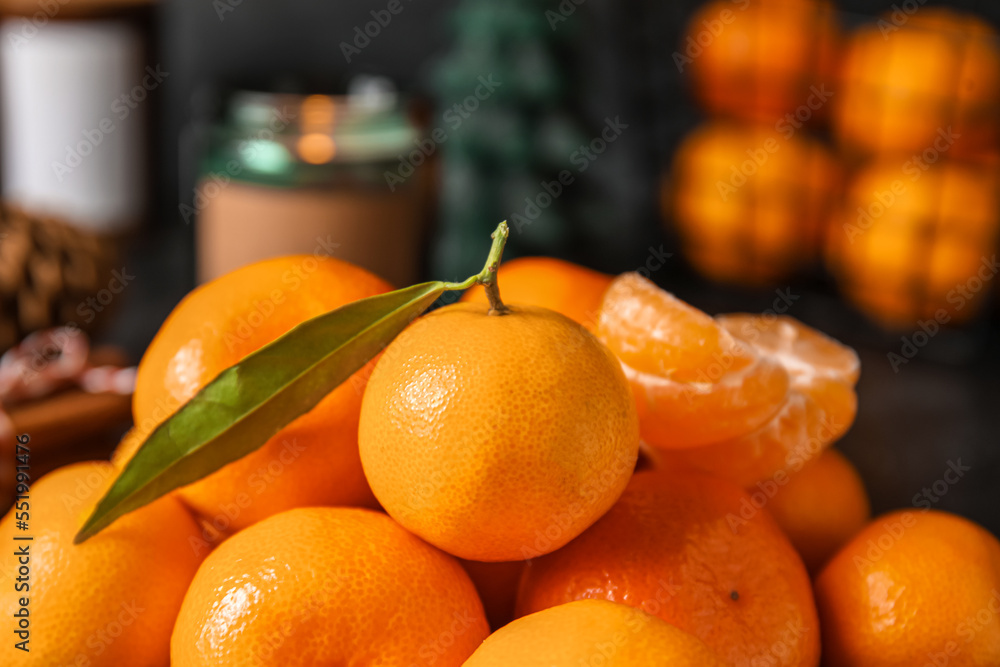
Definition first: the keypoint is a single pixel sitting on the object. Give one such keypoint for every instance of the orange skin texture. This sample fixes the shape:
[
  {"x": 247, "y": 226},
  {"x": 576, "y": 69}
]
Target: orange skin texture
[
  {"x": 313, "y": 460},
  {"x": 497, "y": 438},
  {"x": 496, "y": 584},
  {"x": 590, "y": 632},
  {"x": 694, "y": 383},
  {"x": 821, "y": 507},
  {"x": 567, "y": 288},
  {"x": 109, "y": 601},
  {"x": 910, "y": 586},
  {"x": 819, "y": 408},
  {"x": 328, "y": 586},
  {"x": 676, "y": 546}
]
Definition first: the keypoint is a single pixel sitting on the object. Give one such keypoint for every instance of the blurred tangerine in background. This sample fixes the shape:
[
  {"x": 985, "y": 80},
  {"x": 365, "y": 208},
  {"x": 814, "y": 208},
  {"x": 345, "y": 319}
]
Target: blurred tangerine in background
[
  {"x": 750, "y": 201},
  {"x": 913, "y": 104},
  {"x": 914, "y": 241},
  {"x": 908, "y": 77},
  {"x": 759, "y": 59}
]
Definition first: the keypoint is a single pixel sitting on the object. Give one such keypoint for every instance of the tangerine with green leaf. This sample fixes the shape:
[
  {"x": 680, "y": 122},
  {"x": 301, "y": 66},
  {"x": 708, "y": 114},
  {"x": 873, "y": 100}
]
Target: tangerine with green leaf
[
  {"x": 497, "y": 432},
  {"x": 567, "y": 288},
  {"x": 311, "y": 461}
]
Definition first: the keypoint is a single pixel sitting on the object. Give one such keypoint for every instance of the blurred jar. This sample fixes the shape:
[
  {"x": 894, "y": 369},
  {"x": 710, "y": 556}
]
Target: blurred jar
[
  {"x": 319, "y": 174},
  {"x": 920, "y": 82},
  {"x": 75, "y": 96},
  {"x": 911, "y": 245},
  {"x": 750, "y": 203},
  {"x": 762, "y": 59}
]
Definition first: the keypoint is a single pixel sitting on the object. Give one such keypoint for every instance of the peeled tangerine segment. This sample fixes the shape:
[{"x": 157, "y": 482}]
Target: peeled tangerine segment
[
  {"x": 694, "y": 382},
  {"x": 805, "y": 352},
  {"x": 820, "y": 407}
]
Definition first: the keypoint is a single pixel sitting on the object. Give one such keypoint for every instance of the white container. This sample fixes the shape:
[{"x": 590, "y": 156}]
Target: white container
[{"x": 73, "y": 98}]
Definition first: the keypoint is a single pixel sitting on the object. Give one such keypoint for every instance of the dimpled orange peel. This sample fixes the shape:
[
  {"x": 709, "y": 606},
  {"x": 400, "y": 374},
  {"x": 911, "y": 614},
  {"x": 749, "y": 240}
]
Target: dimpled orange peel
[
  {"x": 497, "y": 432},
  {"x": 592, "y": 632},
  {"x": 677, "y": 546},
  {"x": 108, "y": 602},
  {"x": 328, "y": 586}
]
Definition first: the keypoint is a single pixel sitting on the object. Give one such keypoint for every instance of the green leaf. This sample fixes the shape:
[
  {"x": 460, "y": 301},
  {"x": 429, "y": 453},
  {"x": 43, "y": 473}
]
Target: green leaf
[{"x": 248, "y": 403}]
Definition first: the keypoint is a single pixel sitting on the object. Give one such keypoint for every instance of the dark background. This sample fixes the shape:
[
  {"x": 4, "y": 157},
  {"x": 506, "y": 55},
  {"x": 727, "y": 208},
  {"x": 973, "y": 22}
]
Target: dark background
[{"x": 941, "y": 407}]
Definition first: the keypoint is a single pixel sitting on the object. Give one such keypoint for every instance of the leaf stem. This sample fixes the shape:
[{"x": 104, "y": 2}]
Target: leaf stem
[{"x": 488, "y": 276}]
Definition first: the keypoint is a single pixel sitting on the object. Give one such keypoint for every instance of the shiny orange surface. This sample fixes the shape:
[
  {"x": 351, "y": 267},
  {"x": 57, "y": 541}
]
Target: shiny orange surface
[
  {"x": 682, "y": 546},
  {"x": 913, "y": 585},
  {"x": 109, "y": 601},
  {"x": 328, "y": 586},
  {"x": 589, "y": 632}
]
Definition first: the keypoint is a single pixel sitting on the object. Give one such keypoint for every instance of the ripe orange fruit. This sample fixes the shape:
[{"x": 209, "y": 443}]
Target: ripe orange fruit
[
  {"x": 821, "y": 507},
  {"x": 677, "y": 546},
  {"x": 694, "y": 382},
  {"x": 923, "y": 256},
  {"x": 496, "y": 584},
  {"x": 819, "y": 408},
  {"x": 330, "y": 586},
  {"x": 748, "y": 205},
  {"x": 312, "y": 461},
  {"x": 592, "y": 632},
  {"x": 913, "y": 588},
  {"x": 497, "y": 437},
  {"x": 761, "y": 60},
  {"x": 107, "y": 602},
  {"x": 567, "y": 288}
]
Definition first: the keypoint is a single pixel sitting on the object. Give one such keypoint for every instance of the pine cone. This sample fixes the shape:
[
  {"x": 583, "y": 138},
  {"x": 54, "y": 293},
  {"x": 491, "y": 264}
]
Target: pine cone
[{"x": 48, "y": 269}]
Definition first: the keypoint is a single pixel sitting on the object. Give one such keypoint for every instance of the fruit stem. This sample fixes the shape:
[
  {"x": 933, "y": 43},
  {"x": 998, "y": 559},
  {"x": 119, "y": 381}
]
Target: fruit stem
[{"x": 488, "y": 276}]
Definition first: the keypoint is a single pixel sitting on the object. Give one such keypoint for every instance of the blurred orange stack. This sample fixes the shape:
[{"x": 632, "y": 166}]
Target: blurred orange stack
[{"x": 913, "y": 110}]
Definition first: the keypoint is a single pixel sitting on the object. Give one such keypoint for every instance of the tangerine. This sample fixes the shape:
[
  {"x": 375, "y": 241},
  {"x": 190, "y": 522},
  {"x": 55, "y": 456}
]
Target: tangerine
[
  {"x": 497, "y": 437},
  {"x": 589, "y": 632},
  {"x": 312, "y": 461},
  {"x": 694, "y": 382},
  {"x": 821, "y": 507},
  {"x": 682, "y": 546},
  {"x": 331, "y": 586},
  {"x": 913, "y": 588},
  {"x": 109, "y": 601},
  {"x": 819, "y": 408}
]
